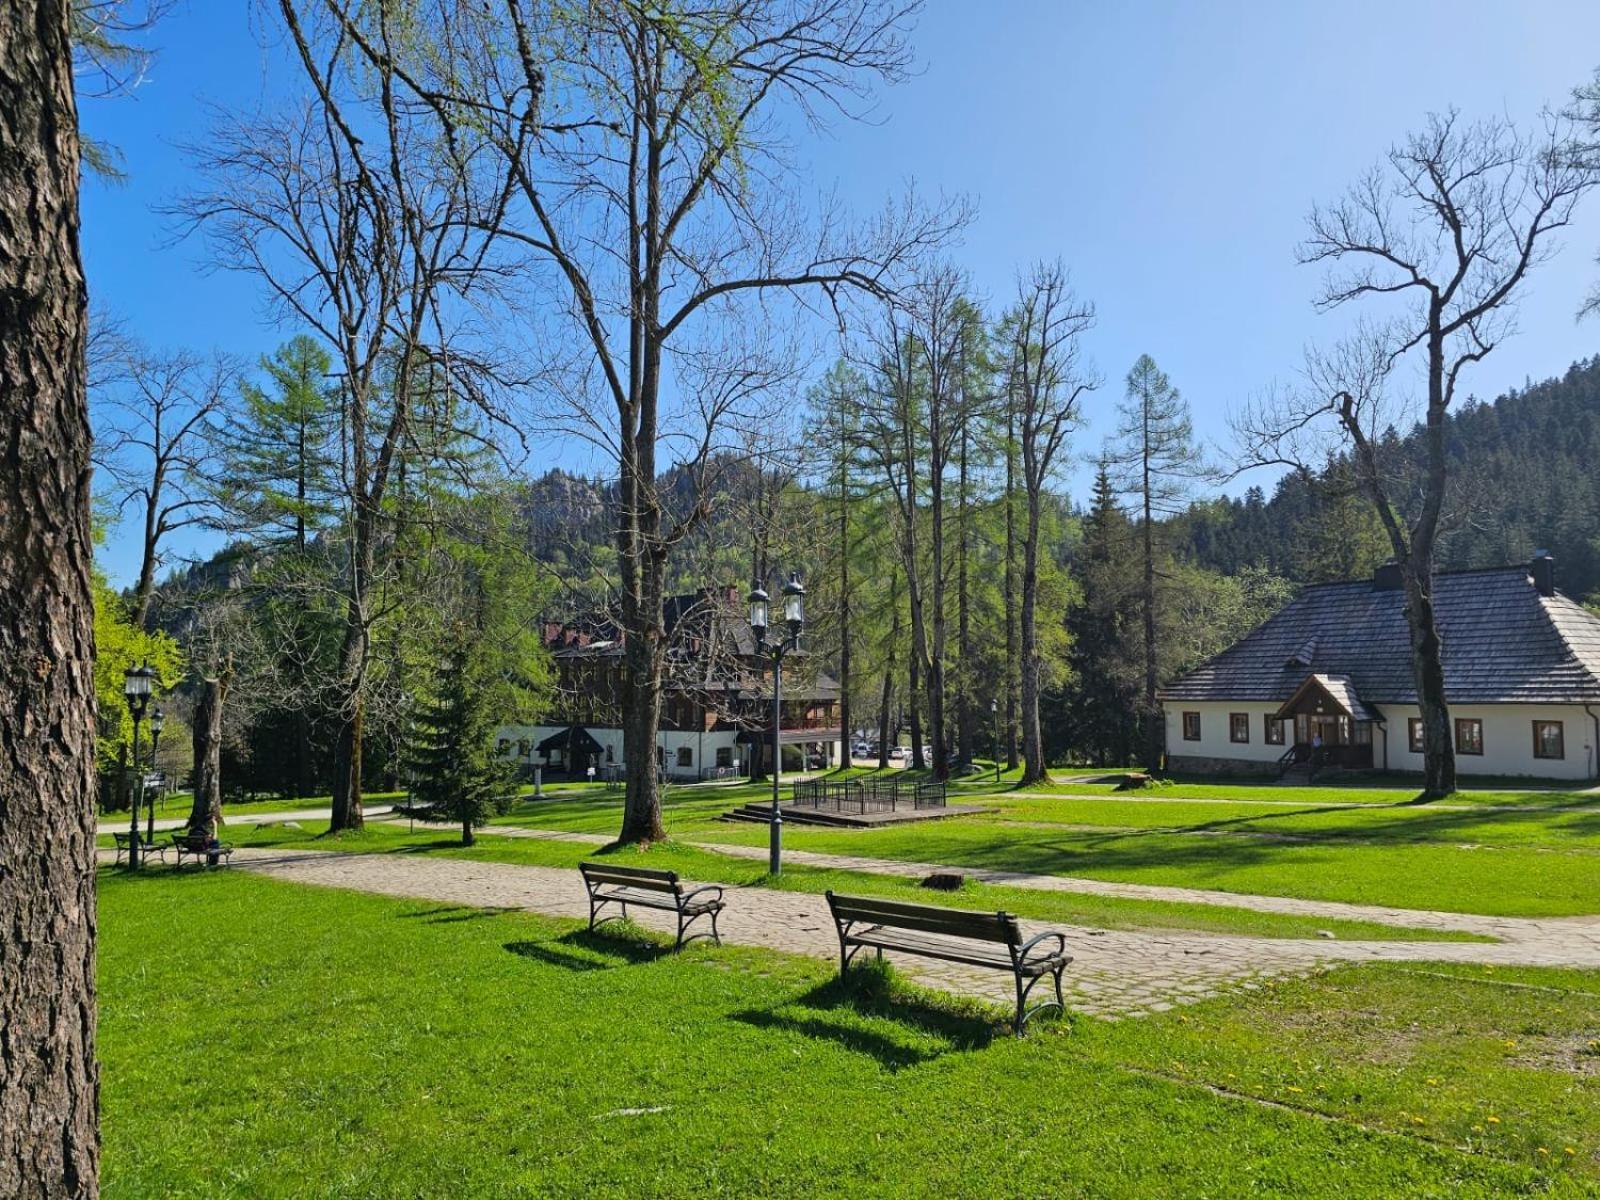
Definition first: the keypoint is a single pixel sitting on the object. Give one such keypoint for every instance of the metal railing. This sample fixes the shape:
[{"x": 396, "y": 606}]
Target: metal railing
[{"x": 868, "y": 794}]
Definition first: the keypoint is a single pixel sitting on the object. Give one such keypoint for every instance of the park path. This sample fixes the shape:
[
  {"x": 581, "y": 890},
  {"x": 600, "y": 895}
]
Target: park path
[
  {"x": 1116, "y": 973},
  {"x": 1506, "y": 928},
  {"x": 163, "y": 824}
]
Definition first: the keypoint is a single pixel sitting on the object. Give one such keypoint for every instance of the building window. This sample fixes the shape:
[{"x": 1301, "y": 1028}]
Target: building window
[
  {"x": 685, "y": 756},
  {"x": 1469, "y": 735},
  {"x": 724, "y": 756},
  {"x": 1414, "y": 732},
  {"x": 1238, "y": 727},
  {"x": 1191, "y": 727},
  {"x": 611, "y": 754},
  {"x": 1549, "y": 741},
  {"x": 1273, "y": 730}
]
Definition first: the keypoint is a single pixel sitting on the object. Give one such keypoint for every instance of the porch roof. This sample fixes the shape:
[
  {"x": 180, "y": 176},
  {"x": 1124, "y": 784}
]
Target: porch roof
[
  {"x": 572, "y": 738},
  {"x": 1339, "y": 689}
]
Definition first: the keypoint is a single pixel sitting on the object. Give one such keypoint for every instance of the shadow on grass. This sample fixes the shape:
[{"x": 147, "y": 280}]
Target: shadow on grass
[
  {"x": 450, "y": 913},
  {"x": 912, "y": 1025},
  {"x": 582, "y": 950}
]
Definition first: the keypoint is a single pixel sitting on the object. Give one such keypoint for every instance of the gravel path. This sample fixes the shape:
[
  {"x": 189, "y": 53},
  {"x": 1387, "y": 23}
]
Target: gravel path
[{"x": 1116, "y": 973}]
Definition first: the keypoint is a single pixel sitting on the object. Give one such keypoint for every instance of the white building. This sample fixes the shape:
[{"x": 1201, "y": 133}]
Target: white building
[
  {"x": 716, "y": 718},
  {"x": 1329, "y": 678}
]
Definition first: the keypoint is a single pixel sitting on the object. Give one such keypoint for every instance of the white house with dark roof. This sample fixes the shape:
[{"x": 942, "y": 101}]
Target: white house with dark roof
[{"x": 1328, "y": 679}]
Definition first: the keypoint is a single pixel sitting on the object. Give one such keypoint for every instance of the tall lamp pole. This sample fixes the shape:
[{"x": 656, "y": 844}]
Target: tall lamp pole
[
  {"x": 136, "y": 690},
  {"x": 994, "y": 711},
  {"x": 794, "y": 616},
  {"x": 157, "y": 720}
]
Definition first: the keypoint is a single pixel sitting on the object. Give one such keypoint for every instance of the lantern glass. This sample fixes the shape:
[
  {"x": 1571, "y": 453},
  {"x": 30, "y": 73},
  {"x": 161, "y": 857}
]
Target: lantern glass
[
  {"x": 794, "y": 601},
  {"x": 136, "y": 682},
  {"x": 760, "y": 608},
  {"x": 157, "y": 720}
]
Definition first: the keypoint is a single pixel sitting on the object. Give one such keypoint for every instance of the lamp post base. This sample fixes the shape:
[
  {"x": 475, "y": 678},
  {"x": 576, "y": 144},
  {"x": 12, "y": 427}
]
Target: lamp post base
[{"x": 775, "y": 856}]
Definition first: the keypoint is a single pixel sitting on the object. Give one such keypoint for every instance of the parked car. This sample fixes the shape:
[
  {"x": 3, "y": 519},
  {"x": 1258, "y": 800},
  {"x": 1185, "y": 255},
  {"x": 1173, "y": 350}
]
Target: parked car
[
  {"x": 899, "y": 754},
  {"x": 861, "y": 750}
]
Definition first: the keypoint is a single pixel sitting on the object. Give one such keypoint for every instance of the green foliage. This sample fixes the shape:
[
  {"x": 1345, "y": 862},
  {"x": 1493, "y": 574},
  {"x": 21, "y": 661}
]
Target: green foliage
[
  {"x": 120, "y": 645},
  {"x": 279, "y": 452},
  {"x": 1521, "y": 474},
  {"x": 457, "y": 775}
]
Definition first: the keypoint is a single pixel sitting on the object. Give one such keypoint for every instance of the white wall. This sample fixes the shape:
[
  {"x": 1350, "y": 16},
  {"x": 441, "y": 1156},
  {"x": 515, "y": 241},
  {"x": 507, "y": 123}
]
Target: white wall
[
  {"x": 1507, "y": 740},
  {"x": 1214, "y": 726},
  {"x": 1507, "y": 737},
  {"x": 702, "y": 747}
]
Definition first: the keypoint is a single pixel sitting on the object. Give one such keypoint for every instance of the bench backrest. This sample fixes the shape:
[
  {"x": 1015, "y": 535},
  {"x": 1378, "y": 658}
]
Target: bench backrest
[
  {"x": 928, "y": 918},
  {"x": 639, "y": 877}
]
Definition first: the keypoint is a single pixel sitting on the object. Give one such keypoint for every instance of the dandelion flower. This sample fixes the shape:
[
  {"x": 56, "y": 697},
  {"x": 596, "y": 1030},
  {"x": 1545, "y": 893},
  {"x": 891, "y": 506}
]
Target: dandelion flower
[{"x": 1494, "y": 1120}]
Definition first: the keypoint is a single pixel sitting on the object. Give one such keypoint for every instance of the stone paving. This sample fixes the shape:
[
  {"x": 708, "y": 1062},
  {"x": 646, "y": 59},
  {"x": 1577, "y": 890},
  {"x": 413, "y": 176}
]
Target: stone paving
[{"x": 1116, "y": 973}]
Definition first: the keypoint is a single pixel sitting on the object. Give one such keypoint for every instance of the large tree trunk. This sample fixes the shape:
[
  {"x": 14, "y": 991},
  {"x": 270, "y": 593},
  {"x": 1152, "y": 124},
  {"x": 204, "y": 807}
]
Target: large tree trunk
[
  {"x": 845, "y": 731},
  {"x": 206, "y": 814},
  {"x": 1009, "y": 674},
  {"x": 347, "y": 808},
  {"x": 1427, "y": 668},
  {"x": 1152, "y": 711},
  {"x": 936, "y": 652},
  {"x": 964, "y": 708},
  {"x": 49, "y": 1141},
  {"x": 641, "y": 709},
  {"x": 1032, "y": 737}
]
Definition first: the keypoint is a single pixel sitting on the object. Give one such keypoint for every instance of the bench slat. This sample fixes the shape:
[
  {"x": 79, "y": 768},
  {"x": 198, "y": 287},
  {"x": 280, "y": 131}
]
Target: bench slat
[
  {"x": 645, "y": 877},
  {"x": 665, "y": 901},
  {"x": 926, "y": 918}
]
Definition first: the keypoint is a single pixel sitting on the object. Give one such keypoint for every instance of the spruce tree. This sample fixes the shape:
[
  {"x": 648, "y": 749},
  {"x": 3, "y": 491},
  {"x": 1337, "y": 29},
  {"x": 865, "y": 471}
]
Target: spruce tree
[{"x": 458, "y": 777}]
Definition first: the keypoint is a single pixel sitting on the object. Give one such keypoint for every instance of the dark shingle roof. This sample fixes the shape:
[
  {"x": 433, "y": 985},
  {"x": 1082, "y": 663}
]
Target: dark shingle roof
[{"x": 1503, "y": 643}]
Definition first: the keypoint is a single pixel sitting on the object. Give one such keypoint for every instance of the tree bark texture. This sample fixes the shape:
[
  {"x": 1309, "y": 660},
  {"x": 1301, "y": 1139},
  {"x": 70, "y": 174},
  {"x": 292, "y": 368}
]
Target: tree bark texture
[
  {"x": 49, "y": 1082},
  {"x": 206, "y": 814}
]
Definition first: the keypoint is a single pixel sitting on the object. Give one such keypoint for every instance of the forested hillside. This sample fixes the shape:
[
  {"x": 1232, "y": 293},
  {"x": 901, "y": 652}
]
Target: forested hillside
[{"x": 1525, "y": 475}]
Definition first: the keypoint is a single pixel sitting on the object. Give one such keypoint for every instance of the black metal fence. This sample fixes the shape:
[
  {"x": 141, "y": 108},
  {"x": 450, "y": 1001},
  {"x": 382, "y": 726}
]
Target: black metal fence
[{"x": 868, "y": 794}]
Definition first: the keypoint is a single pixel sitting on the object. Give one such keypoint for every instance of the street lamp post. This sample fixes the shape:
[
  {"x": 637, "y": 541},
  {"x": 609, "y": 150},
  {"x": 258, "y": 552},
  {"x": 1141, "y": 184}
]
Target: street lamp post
[
  {"x": 136, "y": 690},
  {"x": 794, "y": 615},
  {"x": 157, "y": 720},
  {"x": 994, "y": 711}
]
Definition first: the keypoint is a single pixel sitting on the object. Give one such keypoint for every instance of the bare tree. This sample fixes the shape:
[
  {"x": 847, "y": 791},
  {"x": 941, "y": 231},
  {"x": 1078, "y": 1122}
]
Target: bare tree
[
  {"x": 1047, "y": 378},
  {"x": 364, "y": 222},
  {"x": 155, "y": 419},
  {"x": 1441, "y": 234},
  {"x": 49, "y": 1080},
  {"x": 644, "y": 156}
]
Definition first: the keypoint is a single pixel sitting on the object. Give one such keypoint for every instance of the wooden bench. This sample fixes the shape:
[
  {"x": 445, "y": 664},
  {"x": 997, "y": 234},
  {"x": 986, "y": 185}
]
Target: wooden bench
[
  {"x": 648, "y": 888},
  {"x": 146, "y": 849},
  {"x": 975, "y": 939},
  {"x": 199, "y": 846}
]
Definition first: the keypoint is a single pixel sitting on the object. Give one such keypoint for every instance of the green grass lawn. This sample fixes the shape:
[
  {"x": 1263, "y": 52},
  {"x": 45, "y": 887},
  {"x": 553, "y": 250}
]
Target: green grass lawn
[
  {"x": 1103, "y": 912},
  {"x": 265, "y": 1040},
  {"x": 1539, "y": 858}
]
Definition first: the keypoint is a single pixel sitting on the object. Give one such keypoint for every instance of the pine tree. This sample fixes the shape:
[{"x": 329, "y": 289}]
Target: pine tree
[
  {"x": 1102, "y": 709},
  {"x": 457, "y": 775},
  {"x": 278, "y": 451},
  {"x": 1154, "y": 453}
]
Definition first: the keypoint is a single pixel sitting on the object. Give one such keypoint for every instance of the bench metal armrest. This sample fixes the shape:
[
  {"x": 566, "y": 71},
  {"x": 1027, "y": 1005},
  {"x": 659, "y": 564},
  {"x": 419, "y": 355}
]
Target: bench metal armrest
[
  {"x": 1025, "y": 951},
  {"x": 710, "y": 887}
]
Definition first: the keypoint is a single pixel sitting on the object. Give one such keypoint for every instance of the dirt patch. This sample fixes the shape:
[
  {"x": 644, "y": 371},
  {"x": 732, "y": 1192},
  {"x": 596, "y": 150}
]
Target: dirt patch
[{"x": 1576, "y": 1054}]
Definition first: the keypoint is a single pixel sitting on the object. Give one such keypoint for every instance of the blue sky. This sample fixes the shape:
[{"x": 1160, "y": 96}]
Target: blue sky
[{"x": 1168, "y": 152}]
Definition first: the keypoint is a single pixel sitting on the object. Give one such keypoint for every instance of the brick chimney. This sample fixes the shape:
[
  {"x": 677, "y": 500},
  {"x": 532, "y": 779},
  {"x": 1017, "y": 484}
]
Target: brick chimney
[{"x": 1543, "y": 570}]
